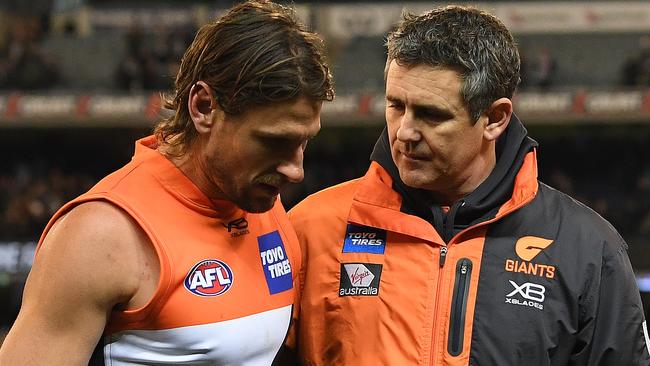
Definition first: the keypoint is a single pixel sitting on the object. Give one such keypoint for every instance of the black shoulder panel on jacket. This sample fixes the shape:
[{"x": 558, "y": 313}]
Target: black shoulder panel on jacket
[{"x": 540, "y": 298}]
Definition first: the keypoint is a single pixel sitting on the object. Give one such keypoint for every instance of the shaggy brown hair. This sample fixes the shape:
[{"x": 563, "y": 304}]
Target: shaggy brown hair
[{"x": 255, "y": 54}]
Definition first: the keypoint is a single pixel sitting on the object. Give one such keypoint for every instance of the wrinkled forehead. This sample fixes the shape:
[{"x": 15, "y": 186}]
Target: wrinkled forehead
[
  {"x": 421, "y": 81},
  {"x": 298, "y": 118}
]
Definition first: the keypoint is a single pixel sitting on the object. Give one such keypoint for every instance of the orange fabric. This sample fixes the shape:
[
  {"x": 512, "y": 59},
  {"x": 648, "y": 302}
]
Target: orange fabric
[
  {"x": 407, "y": 322},
  {"x": 471, "y": 248},
  {"x": 526, "y": 185},
  {"x": 374, "y": 205},
  {"x": 185, "y": 228}
]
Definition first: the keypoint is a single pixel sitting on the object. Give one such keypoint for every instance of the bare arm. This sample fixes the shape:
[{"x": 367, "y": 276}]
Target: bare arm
[{"x": 89, "y": 263}]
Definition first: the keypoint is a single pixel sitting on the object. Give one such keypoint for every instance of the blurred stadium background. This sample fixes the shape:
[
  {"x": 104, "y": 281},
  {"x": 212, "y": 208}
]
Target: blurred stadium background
[{"x": 80, "y": 81}]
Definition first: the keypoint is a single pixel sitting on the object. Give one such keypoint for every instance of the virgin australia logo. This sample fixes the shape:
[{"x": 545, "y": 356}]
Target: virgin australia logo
[{"x": 360, "y": 279}]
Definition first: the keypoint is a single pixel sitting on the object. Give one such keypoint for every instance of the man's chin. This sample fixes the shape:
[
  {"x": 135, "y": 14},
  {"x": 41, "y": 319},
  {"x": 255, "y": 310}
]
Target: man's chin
[
  {"x": 258, "y": 205},
  {"x": 415, "y": 181}
]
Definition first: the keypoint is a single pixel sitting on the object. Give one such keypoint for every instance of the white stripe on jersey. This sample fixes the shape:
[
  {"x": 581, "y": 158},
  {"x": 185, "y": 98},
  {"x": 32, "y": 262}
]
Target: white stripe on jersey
[{"x": 253, "y": 340}]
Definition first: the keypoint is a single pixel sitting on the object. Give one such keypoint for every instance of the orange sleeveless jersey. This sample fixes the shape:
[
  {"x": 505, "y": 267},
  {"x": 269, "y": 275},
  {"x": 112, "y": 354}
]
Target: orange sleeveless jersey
[{"x": 226, "y": 280}]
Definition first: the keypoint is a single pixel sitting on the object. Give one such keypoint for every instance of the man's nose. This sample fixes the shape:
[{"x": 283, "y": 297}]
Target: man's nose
[
  {"x": 292, "y": 168},
  {"x": 407, "y": 131}
]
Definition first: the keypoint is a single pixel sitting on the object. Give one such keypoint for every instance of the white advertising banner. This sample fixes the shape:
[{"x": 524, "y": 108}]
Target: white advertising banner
[{"x": 353, "y": 20}]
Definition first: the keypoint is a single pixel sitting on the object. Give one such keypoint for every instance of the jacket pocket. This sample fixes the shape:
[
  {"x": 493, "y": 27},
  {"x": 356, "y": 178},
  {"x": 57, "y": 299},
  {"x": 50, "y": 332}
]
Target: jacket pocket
[{"x": 459, "y": 307}]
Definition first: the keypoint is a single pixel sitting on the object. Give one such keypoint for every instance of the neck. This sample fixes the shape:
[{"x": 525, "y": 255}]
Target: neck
[
  {"x": 193, "y": 167},
  {"x": 471, "y": 177}
]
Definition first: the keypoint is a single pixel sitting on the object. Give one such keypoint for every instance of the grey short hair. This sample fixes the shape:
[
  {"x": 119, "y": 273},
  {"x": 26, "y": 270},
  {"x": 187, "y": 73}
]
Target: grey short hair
[{"x": 466, "y": 39}]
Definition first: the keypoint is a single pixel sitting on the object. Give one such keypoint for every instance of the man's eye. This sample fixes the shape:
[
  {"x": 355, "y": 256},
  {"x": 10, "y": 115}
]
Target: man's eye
[
  {"x": 432, "y": 115},
  {"x": 429, "y": 115},
  {"x": 281, "y": 144},
  {"x": 276, "y": 142}
]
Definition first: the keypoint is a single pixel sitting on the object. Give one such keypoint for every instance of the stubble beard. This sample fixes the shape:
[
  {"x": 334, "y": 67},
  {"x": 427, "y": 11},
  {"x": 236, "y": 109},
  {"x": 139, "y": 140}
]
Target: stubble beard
[
  {"x": 252, "y": 205},
  {"x": 244, "y": 198}
]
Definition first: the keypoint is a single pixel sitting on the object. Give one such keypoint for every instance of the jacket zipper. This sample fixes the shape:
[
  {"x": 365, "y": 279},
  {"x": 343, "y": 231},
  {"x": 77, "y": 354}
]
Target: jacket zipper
[
  {"x": 442, "y": 262},
  {"x": 443, "y": 256},
  {"x": 459, "y": 307}
]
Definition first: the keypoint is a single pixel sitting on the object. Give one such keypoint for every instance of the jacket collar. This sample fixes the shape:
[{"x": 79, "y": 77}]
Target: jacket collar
[{"x": 512, "y": 183}]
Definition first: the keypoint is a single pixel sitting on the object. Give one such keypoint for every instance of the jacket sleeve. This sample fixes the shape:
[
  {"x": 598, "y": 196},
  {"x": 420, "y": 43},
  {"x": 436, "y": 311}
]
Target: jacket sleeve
[{"x": 613, "y": 330}]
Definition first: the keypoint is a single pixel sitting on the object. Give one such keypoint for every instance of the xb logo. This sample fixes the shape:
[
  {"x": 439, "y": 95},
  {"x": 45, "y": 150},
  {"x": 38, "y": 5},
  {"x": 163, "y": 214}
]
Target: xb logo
[{"x": 529, "y": 291}]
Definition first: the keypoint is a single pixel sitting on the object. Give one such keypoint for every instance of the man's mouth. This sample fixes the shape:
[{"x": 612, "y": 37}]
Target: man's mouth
[
  {"x": 411, "y": 156},
  {"x": 270, "y": 184},
  {"x": 274, "y": 190}
]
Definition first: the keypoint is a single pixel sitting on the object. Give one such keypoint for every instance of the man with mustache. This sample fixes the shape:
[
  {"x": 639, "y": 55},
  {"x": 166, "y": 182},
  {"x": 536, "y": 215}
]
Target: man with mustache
[
  {"x": 449, "y": 251},
  {"x": 185, "y": 255}
]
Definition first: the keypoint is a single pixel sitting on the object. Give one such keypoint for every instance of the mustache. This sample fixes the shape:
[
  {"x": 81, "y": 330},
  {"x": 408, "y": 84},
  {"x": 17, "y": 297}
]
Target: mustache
[
  {"x": 271, "y": 179},
  {"x": 412, "y": 151}
]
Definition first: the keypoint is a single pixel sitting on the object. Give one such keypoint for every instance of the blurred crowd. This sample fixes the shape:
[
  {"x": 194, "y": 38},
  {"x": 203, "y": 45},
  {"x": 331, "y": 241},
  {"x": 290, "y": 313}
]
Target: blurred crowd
[
  {"x": 142, "y": 59},
  {"x": 538, "y": 70},
  {"x": 627, "y": 209},
  {"x": 147, "y": 58},
  {"x": 30, "y": 192},
  {"x": 24, "y": 65},
  {"x": 152, "y": 58},
  {"x": 606, "y": 168},
  {"x": 636, "y": 69}
]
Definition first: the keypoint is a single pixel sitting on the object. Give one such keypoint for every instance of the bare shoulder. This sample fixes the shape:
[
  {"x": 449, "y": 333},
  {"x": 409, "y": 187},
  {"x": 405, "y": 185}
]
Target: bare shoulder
[
  {"x": 93, "y": 260},
  {"x": 100, "y": 244}
]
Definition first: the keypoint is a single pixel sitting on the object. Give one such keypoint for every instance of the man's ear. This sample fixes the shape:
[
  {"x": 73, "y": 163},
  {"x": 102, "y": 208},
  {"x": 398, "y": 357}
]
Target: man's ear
[
  {"x": 498, "y": 115},
  {"x": 201, "y": 104}
]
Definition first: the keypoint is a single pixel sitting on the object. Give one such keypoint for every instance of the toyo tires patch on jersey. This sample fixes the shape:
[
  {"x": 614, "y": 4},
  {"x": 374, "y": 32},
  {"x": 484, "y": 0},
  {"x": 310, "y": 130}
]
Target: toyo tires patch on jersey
[{"x": 275, "y": 262}]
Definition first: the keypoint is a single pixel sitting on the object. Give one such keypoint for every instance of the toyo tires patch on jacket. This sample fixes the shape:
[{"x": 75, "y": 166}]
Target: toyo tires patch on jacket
[
  {"x": 360, "y": 279},
  {"x": 364, "y": 239}
]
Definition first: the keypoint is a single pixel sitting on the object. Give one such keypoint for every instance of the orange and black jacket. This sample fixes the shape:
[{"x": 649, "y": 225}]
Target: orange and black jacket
[{"x": 516, "y": 273}]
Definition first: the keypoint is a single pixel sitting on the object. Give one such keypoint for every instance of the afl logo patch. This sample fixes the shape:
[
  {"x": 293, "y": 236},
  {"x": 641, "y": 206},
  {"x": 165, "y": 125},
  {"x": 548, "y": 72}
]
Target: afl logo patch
[{"x": 210, "y": 277}]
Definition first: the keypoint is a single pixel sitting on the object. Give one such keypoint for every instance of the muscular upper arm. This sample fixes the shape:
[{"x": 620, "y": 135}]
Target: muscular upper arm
[{"x": 87, "y": 264}]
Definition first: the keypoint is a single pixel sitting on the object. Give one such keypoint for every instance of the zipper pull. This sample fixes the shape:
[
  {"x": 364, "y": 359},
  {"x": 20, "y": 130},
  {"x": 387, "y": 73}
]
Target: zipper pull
[{"x": 443, "y": 255}]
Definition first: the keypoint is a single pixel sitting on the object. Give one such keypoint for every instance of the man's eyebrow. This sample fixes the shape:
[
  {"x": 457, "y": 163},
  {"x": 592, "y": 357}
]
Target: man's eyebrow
[
  {"x": 391, "y": 98},
  {"x": 423, "y": 107},
  {"x": 283, "y": 135},
  {"x": 426, "y": 108}
]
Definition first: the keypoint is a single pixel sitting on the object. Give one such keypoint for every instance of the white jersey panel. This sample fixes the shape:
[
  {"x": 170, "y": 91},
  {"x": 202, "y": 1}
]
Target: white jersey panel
[{"x": 249, "y": 341}]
